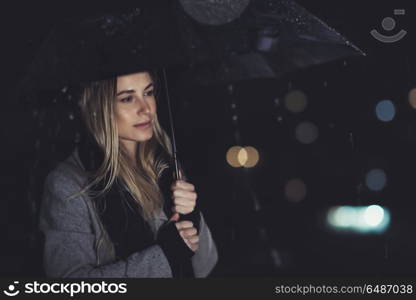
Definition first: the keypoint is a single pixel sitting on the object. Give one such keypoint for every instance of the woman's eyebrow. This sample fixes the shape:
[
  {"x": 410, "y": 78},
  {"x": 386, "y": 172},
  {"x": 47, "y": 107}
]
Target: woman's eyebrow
[{"x": 133, "y": 91}]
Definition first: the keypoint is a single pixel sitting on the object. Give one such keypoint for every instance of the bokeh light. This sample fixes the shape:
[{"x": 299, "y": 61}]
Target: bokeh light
[
  {"x": 232, "y": 156},
  {"x": 359, "y": 219},
  {"x": 295, "y": 190},
  {"x": 373, "y": 215},
  {"x": 296, "y": 101},
  {"x": 342, "y": 216},
  {"x": 376, "y": 180},
  {"x": 252, "y": 157},
  {"x": 247, "y": 157},
  {"x": 242, "y": 157},
  {"x": 385, "y": 110},
  {"x": 412, "y": 98},
  {"x": 306, "y": 132}
]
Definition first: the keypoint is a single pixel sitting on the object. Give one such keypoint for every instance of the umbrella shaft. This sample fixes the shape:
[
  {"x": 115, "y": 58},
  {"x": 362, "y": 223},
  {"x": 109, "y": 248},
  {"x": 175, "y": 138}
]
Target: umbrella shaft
[{"x": 172, "y": 130}]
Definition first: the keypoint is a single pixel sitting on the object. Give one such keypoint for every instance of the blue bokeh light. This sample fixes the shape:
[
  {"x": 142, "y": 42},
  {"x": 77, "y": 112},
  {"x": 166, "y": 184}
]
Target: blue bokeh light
[
  {"x": 385, "y": 110},
  {"x": 376, "y": 180}
]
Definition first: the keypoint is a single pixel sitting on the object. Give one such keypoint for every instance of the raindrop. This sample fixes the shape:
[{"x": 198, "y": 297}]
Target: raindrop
[
  {"x": 64, "y": 89},
  {"x": 235, "y": 118},
  {"x": 279, "y": 119},
  {"x": 232, "y": 234},
  {"x": 77, "y": 137},
  {"x": 277, "y": 101},
  {"x": 34, "y": 113},
  {"x": 325, "y": 83},
  {"x": 109, "y": 20},
  {"x": 257, "y": 206},
  {"x": 54, "y": 100},
  {"x": 263, "y": 233},
  {"x": 237, "y": 136},
  {"x": 233, "y": 106},
  {"x": 37, "y": 144},
  {"x": 71, "y": 116},
  {"x": 230, "y": 88},
  {"x": 345, "y": 63},
  {"x": 277, "y": 260}
]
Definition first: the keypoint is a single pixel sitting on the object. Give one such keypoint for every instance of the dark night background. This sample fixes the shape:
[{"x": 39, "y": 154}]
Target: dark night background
[{"x": 281, "y": 237}]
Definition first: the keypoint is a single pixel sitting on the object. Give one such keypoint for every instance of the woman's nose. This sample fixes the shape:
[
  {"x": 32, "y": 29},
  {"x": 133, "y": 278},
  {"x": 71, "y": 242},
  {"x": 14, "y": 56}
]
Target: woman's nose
[{"x": 143, "y": 106}]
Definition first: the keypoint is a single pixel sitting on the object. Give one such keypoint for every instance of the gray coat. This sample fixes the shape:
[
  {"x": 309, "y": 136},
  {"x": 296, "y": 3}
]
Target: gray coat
[{"x": 77, "y": 244}]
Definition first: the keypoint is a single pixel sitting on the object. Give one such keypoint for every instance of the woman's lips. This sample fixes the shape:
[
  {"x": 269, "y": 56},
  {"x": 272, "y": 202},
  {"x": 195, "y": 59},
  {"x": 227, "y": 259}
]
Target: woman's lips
[{"x": 143, "y": 125}]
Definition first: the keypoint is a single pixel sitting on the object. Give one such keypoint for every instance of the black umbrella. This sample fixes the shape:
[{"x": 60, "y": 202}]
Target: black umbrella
[
  {"x": 271, "y": 38},
  {"x": 219, "y": 41}
]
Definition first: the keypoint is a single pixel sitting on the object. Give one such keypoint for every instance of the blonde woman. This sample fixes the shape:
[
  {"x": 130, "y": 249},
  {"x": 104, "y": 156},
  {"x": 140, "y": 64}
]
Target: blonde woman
[{"x": 110, "y": 209}]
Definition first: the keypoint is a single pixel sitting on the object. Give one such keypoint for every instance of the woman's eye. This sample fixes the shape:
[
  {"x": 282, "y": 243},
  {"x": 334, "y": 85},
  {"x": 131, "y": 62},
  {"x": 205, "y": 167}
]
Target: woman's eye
[
  {"x": 149, "y": 93},
  {"x": 127, "y": 99}
]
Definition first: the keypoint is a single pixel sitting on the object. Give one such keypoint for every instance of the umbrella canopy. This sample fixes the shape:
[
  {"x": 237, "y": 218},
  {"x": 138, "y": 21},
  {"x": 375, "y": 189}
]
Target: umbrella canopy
[
  {"x": 94, "y": 48},
  {"x": 271, "y": 38},
  {"x": 218, "y": 41}
]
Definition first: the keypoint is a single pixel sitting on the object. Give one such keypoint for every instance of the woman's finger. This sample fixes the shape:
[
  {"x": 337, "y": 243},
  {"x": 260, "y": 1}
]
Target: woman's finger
[
  {"x": 180, "y": 193},
  {"x": 181, "y": 184},
  {"x": 184, "y": 224},
  {"x": 182, "y": 209},
  {"x": 184, "y": 202},
  {"x": 175, "y": 217},
  {"x": 193, "y": 239},
  {"x": 189, "y": 232}
]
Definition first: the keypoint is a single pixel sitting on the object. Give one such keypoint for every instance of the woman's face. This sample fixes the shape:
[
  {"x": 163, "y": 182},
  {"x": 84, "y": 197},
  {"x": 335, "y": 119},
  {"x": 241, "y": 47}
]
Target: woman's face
[{"x": 136, "y": 104}]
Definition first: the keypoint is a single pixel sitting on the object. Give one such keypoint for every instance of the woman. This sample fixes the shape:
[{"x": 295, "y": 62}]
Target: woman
[{"x": 109, "y": 209}]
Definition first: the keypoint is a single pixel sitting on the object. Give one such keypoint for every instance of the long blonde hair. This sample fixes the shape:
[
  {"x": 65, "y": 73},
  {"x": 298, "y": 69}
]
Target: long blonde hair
[{"x": 97, "y": 104}]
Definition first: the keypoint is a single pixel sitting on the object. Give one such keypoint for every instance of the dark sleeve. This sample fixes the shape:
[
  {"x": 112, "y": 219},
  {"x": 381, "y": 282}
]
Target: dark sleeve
[
  {"x": 195, "y": 215},
  {"x": 173, "y": 246}
]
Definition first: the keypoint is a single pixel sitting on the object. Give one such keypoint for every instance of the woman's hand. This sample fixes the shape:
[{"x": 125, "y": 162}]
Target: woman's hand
[
  {"x": 189, "y": 234},
  {"x": 184, "y": 197}
]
